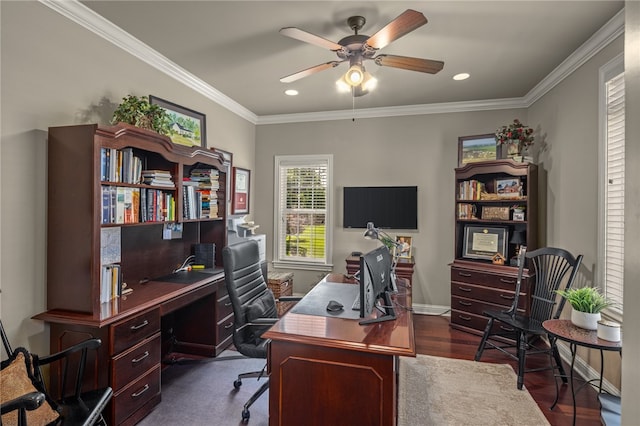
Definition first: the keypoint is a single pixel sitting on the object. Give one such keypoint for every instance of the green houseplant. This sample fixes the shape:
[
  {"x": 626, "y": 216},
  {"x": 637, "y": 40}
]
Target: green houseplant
[
  {"x": 139, "y": 112},
  {"x": 587, "y": 303}
]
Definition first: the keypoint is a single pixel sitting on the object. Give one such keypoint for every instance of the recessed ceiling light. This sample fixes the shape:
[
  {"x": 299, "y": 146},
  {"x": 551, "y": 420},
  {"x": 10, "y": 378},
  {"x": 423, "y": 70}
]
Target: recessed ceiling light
[
  {"x": 291, "y": 92},
  {"x": 461, "y": 76}
]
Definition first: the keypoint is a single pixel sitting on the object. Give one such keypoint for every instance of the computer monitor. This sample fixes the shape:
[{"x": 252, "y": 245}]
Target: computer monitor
[{"x": 375, "y": 285}]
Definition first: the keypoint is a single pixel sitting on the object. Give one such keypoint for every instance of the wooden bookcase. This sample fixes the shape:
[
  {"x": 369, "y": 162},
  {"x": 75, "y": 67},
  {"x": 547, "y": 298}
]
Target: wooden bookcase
[
  {"x": 485, "y": 194},
  {"x": 160, "y": 316}
]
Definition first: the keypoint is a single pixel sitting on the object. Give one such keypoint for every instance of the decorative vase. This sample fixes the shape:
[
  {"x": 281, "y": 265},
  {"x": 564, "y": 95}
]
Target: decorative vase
[
  {"x": 514, "y": 148},
  {"x": 585, "y": 320}
]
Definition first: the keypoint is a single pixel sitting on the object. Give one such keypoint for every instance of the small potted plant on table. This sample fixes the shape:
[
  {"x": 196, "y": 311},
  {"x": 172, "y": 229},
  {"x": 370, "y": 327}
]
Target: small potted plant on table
[{"x": 587, "y": 303}]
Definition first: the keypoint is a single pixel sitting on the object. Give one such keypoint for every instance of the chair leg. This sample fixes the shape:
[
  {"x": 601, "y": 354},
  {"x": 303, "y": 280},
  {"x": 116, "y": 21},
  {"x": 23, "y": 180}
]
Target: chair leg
[
  {"x": 254, "y": 398},
  {"x": 485, "y": 336},
  {"x": 522, "y": 350}
]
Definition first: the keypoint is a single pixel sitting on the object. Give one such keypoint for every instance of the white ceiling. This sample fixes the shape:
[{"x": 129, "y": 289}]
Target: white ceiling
[{"x": 508, "y": 47}]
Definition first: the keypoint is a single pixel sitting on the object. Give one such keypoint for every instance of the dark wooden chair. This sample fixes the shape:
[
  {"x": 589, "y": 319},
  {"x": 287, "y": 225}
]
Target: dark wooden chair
[
  {"x": 552, "y": 267},
  {"x": 32, "y": 405},
  {"x": 254, "y": 308}
]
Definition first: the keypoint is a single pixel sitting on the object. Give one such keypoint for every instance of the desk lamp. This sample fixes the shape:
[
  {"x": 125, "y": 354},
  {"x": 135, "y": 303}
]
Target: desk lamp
[
  {"x": 373, "y": 233},
  {"x": 517, "y": 238}
]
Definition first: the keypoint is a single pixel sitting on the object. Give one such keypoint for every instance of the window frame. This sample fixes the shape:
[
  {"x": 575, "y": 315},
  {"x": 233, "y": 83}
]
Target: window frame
[
  {"x": 279, "y": 261},
  {"x": 607, "y": 72}
]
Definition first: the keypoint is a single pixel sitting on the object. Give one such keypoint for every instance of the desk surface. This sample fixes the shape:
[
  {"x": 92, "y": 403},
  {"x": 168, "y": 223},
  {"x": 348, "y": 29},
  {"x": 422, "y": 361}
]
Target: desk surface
[
  {"x": 565, "y": 330},
  {"x": 390, "y": 337}
]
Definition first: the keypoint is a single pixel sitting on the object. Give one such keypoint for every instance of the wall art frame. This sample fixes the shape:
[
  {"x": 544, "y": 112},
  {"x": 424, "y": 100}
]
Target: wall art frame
[
  {"x": 240, "y": 184},
  {"x": 476, "y": 148},
  {"x": 187, "y": 127}
]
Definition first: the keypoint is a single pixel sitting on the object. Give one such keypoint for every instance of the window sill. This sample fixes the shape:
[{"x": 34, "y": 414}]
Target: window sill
[{"x": 302, "y": 266}]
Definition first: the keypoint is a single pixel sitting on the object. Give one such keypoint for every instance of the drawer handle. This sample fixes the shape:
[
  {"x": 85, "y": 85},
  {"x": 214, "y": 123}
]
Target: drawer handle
[
  {"x": 502, "y": 327},
  {"x": 468, "y": 290},
  {"x": 464, "y": 274},
  {"x": 227, "y": 304},
  {"x": 138, "y": 327},
  {"x": 140, "y": 392},
  {"x": 228, "y": 326},
  {"x": 137, "y": 360},
  {"x": 507, "y": 281},
  {"x": 462, "y": 317},
  {"x": 507, "y": 296},
  {"x": 464, "y": 303}
]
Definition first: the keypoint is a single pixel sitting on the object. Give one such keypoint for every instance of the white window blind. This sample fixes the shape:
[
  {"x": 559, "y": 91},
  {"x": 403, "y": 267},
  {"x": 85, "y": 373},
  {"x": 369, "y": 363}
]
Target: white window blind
[
  {"x": 303, "y": 204},
  {"x": 611, "y": 241}
]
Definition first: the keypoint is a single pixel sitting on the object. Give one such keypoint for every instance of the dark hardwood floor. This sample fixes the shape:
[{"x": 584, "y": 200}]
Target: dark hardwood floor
[{"x": 435, "y": 337}]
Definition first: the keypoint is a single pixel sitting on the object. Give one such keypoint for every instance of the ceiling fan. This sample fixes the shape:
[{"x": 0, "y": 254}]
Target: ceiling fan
[{"x": 358, "y": 48}]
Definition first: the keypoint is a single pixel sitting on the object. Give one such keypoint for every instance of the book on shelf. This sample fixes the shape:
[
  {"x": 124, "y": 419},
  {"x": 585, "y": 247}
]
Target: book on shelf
[
  {"x": 110, "y": 282},
  {"x": 470, "y": 189}
]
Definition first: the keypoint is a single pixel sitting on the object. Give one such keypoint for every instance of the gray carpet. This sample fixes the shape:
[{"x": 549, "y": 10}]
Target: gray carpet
[
  {"x": 203, "y": 394},
  {"x": 448, "y": 392}
]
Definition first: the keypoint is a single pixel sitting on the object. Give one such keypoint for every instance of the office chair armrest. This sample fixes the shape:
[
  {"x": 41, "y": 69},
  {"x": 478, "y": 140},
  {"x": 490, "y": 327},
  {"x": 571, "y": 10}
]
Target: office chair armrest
[
  {"x": 87, "y": 344},
  {"x": 258, "y": 322},
  {"x": 289, "y": 298},
  {"x": 29, "y": 401}
]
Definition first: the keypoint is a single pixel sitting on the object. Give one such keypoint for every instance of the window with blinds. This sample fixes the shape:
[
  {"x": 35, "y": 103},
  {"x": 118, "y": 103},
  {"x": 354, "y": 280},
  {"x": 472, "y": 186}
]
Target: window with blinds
[
  {"x": 302, "y": 217},
  {"x": 611, "y": 223}
]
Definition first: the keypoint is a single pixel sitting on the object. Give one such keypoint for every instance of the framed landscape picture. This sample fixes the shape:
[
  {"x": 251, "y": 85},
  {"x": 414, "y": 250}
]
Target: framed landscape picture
[
  {"x": 187, "y": 127},
  {"x": 472, "y": 149}
]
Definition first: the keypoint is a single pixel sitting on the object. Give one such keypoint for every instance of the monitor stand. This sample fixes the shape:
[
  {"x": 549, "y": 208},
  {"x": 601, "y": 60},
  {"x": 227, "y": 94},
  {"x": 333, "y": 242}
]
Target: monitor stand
[{"x": 390, "y": 313}]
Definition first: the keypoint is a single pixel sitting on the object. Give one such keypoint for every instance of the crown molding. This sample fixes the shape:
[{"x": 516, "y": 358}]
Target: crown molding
[
  {"x": 423, "y": 109},
  {"x": 87, "y": 18},
  {"x": 598, "y": 41}
]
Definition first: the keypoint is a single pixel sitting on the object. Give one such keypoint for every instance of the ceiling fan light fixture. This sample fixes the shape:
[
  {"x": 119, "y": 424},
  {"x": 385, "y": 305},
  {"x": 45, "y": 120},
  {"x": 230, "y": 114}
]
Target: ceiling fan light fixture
[
  {"x": 342, "y": 85},
  {"x": 369, "y": 82},
  {"x": 355, "y": 75}
]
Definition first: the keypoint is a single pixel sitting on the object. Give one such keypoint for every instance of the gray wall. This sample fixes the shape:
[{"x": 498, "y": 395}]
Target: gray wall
[{"x": 54, "y": 73}]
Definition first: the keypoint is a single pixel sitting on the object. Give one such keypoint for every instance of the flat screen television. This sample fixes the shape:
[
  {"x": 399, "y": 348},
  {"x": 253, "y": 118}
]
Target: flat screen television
[
  {"x": 389, "y": 207},
  {"x": 376, "y": 286}
]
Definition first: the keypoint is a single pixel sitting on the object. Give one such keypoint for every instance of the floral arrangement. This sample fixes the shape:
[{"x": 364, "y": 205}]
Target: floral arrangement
[{"x": 515, "y": 131}]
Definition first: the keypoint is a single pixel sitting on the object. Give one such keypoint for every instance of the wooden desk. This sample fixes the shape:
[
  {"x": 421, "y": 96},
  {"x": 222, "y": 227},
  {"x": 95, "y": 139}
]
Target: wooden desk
[
  {"x": 333, "y": 371},
  {"x": 138, "y": 330}
]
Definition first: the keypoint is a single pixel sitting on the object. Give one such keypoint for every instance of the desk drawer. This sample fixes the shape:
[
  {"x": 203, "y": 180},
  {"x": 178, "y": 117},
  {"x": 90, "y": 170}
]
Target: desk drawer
[
  {"x": 225, "y": 328},
  {"x": 134, "y": 396},
  {"x": 134, "y": 330},
  {"x": 496, "y": 296},
  {"x": 223, "y": 306},
  {"x": 486, "y": 279},
  {"x": 135, "y": 361}
]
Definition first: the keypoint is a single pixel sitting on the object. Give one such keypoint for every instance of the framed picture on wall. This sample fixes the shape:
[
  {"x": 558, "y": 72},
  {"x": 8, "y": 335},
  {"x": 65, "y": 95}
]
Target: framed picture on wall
[
  {"x": 240, "y": 191},
  {"x": 187, "y": 127},
  {"x": 472, "y": 149}
]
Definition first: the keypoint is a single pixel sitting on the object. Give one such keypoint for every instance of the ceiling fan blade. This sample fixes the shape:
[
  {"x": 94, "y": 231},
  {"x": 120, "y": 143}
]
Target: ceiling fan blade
[
  {"x": 408, "y": 21},
  {"x": 309, "y": 71},
  {"x": 406, "y": 63},
  {"x": 306, "y": 37}
]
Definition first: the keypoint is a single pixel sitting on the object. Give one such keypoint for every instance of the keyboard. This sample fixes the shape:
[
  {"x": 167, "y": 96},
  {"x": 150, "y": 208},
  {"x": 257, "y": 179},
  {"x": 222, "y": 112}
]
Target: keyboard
[{"x": 356, "y": 303}]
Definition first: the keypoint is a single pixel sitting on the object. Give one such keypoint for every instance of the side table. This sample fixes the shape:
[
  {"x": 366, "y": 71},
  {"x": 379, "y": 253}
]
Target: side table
[{"x": 576, "y": 336}]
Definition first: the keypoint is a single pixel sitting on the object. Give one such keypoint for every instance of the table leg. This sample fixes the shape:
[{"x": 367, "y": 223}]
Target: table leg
[
  {"x": 573, "y": 348},
  {"x": 601, "y": 369}
]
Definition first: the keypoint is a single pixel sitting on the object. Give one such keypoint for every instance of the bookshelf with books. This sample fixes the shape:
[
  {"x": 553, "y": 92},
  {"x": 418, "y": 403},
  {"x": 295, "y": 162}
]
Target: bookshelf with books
[
  {"x": 487, "y": 195},
  {"x": 112, "y": 192}
]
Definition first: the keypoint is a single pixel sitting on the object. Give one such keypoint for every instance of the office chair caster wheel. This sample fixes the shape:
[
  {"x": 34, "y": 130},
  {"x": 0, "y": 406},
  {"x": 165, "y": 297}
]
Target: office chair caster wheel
[
  {"x": 237, "y": 385},
  {"x": 245, "y": 415}
]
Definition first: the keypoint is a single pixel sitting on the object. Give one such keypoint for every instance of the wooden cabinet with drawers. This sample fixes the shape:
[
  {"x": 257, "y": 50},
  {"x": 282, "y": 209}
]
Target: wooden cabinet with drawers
[
  {"x": 404, "y": 267},
  {"x": 477, "y": 287}
]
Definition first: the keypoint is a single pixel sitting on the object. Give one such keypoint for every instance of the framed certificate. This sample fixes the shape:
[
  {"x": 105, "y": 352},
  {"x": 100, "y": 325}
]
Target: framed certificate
[
  {"x": 240, "y": 190},
  {"x": 483, "y": 242}
]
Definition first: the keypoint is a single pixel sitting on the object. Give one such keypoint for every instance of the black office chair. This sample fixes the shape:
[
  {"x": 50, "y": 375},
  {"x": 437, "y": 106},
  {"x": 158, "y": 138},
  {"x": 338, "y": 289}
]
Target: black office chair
[
  {"x": 551, "y": 266},
  {"x": 254, "y": 308},
  {"x": 27, "y": 401}
]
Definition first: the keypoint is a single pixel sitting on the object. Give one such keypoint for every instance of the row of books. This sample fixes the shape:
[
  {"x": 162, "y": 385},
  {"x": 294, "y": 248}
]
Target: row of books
[
  {"x": 110, "y": 282},
  {"x": 470, "y": 190},
  {"x": 120, "y": 165},
  {"x": 157, "y": 178},
  {"x": 466, "y": 211},
  {"x": 200, "y": 194},
  {"x": 122, "y": 205}
]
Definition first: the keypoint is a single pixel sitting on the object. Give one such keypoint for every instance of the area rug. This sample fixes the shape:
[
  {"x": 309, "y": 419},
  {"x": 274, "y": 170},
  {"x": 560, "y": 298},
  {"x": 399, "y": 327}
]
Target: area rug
[{"x": 444, "y": 391}]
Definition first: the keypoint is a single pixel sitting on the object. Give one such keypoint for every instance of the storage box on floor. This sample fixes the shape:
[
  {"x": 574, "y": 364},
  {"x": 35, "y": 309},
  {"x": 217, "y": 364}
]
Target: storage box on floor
[{"x": 281, "y": 284}]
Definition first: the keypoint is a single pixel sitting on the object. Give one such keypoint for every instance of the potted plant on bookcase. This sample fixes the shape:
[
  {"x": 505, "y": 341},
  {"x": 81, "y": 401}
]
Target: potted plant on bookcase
[
  {"x": 516, "y": 136},
  {"x": 587, "y": 303},
  {"x": 139, "y": 112}
]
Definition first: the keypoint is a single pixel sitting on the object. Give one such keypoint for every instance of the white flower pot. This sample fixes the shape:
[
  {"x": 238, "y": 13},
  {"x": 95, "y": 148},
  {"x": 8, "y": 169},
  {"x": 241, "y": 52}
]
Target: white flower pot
[{"x": 585, "y": 320}]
